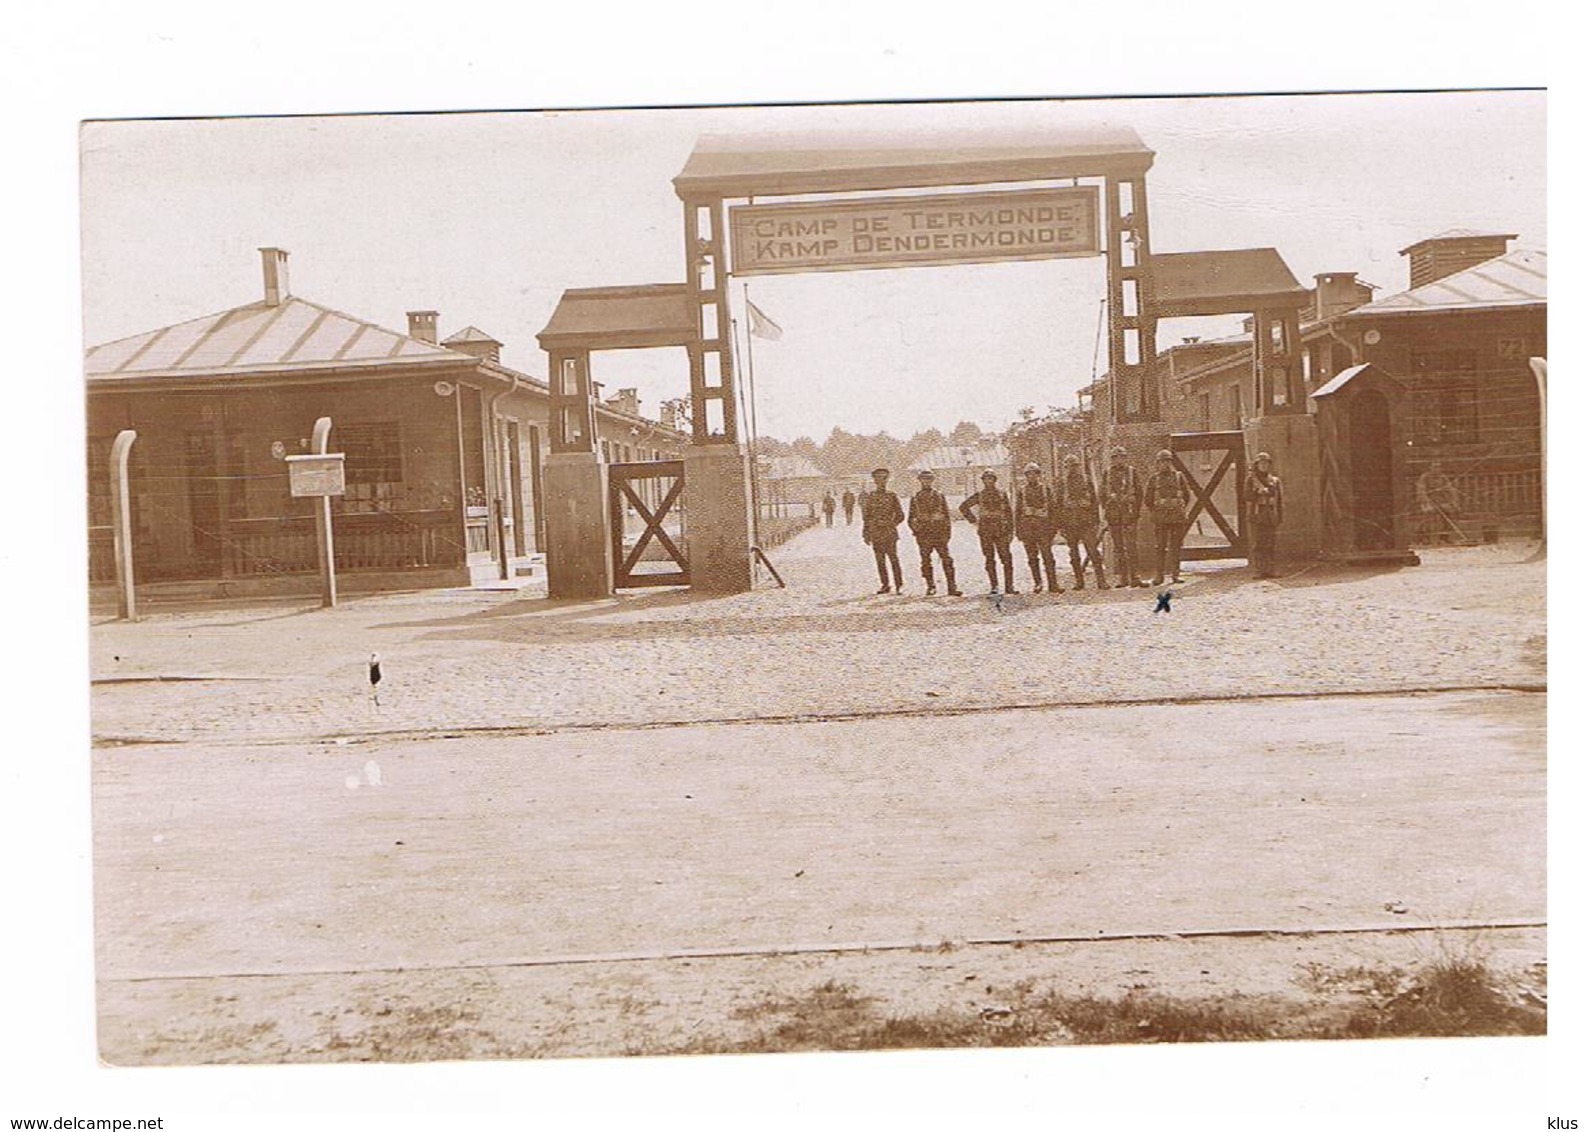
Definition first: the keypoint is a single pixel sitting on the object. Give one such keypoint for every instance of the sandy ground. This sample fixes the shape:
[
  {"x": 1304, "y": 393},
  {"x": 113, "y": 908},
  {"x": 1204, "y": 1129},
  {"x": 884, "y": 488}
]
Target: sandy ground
[{"x": 563, "y": 894}]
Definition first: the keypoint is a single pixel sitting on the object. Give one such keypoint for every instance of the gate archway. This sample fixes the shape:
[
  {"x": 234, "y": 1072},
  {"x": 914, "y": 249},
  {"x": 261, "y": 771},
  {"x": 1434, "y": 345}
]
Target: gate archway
[{"x": 785, "y": 204}]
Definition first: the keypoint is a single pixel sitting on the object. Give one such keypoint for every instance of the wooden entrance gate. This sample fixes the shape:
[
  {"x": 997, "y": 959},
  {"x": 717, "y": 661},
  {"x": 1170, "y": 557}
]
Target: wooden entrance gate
[
  {"x": 1206, "y": 459},
  {"x": 649, "y": 541}
]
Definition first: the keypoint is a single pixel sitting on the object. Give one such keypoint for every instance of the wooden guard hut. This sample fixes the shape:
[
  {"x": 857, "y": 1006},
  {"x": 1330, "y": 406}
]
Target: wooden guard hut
[{"x": 1361, "y": 444}]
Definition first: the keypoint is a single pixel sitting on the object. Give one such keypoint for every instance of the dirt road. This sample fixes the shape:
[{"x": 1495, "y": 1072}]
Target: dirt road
[{"x": 287, "y": 901}]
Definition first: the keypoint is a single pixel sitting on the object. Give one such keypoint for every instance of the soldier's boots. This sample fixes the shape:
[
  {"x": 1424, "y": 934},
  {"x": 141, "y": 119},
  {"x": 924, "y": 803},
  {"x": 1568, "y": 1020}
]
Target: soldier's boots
[
  {"x": 1080, "y": 579},
  {"x": 1102, "y": 579},
  {"x": 1009, "y": 580},
  {"x": 948, "y": 576}
]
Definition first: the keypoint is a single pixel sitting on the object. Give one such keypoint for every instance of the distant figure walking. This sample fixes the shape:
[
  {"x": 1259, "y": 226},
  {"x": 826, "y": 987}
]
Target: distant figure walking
[
  {"x": 829, "y": 505},
  {"x": 374, "y": 677},
  {"x": 1265, "y": 510},
  {"x": 932, "y": 524},
  {"x": 880, "y": 516},
  {"x": 849, "y": 507},
  {"x": 1167, "y": 497},
  {"x": 989, "y": 511}
]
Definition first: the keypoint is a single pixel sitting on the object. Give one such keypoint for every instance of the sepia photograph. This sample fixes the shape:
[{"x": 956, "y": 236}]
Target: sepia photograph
[{"x": 775, "y": 579}]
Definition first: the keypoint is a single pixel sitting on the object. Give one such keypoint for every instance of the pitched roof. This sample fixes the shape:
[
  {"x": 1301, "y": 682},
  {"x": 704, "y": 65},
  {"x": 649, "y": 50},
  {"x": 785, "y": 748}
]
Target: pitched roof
[
  {"x": 1458, "y": 234},
  {"x": 295, "y": 335},
  {"x": 611, "y": 318},
  {"x": 1234, "y": 281},
  {"x": 795, "y": 467},
  {"x": 981, "y": 455},
  {"x": 470, "y": 334},
  {"x": 1516, "y": 279}
]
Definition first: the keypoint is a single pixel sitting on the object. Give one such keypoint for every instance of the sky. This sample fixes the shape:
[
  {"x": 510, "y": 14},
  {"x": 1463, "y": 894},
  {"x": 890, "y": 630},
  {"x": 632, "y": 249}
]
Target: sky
[{"x": 487, "y": 218}]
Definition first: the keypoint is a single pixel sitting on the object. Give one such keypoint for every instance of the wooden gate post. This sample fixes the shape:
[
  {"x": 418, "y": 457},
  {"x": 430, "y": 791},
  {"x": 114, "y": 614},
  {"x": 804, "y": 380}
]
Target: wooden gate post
[
  {"x": 121, "y": 525},
  {"x": 1540, "y": 369},
  {"x": 322, "y": 521}
]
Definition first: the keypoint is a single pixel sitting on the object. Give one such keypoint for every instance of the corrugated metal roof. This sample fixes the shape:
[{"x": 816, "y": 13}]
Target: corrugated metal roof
[
  {"x": 1516, "y": 279},
  {"x": 294, "y": 335}
]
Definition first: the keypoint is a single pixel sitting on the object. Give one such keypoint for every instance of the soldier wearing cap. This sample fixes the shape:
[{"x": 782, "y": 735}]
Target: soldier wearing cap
[
  {"x": 932, "y": 524},
  {"x": 1122, "y": 510},
  {"x": 1167, "y": 497},
  {"x": 1265, "y": 510},
  {"x": 1078, "y": 521},
  {"x": 880, "y": 516},
  {"x": 1035, "y": 525},
  {"x": 989, "y": 511}
]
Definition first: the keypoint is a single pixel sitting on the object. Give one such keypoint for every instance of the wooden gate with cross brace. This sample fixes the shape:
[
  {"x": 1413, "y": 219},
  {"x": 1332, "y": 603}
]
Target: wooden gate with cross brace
[
  {"x": 1221, "y": 452},
  {"x": 647, "y": 514}
]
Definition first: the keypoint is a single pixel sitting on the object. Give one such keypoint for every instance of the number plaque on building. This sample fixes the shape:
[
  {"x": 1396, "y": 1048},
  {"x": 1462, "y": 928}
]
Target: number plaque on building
[
  {"x": 316, "y": 475},
  {"x": 903, "y": 231}
]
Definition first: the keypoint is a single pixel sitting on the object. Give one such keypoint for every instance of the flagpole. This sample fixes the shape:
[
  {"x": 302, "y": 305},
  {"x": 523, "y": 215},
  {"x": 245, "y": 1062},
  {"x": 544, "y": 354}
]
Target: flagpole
[{"x": 747, "y": 396}]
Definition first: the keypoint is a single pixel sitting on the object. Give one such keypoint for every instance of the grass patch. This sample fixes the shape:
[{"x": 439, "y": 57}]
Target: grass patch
[{"x": 1451, "y": 996}]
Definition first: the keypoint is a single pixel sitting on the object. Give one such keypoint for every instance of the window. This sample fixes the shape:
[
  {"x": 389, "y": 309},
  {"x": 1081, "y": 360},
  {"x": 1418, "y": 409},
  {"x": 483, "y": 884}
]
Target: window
[
  {"x": 373, "y": 463},
  {"x": 1236, "y": 409},
  {"x": 99, "y": 480},
  {"x": 1444, "y": 401},
  {"x": 1205, "y": 412}
]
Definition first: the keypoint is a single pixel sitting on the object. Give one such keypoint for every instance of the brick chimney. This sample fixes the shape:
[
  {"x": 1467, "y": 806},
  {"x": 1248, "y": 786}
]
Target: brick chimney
[
  {"x": 669, "y": 416},
  {"x": 422, "y": 325},
  {"x": 275, "y": 263},
  {"x": 626, "y": 401},
  {"x": 1336, "y": 292},
  {"x": 1456, "y": 250}
]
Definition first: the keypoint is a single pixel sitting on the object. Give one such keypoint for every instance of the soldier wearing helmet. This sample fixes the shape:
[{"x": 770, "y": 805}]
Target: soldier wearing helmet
[
  {"x": 1036, "y": 522},
  {"x": 1122, "y": 510},
  {"x": 989, "y": 511},
  {"x": 931, "y": 524},
  {"x": 1167, "y": 497},
  {"x": 1265, "y": 510},
  {"x": 1078, "y": 521}
]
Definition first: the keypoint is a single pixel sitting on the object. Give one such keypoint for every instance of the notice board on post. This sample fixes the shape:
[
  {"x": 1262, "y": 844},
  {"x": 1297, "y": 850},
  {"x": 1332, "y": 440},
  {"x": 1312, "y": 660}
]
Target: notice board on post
[{"x": 317, "y": 475}]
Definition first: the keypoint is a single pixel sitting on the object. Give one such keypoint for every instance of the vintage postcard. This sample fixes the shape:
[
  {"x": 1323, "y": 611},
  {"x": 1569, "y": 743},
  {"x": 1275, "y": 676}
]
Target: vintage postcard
[{"x": 762, "y": 579}]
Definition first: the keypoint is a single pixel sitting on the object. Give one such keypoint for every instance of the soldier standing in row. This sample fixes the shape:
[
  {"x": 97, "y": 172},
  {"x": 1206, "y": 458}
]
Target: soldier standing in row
[
  {"x": 1035, "y": 525},
  {"x": 1167, "y": 497},
  {"x": 989, "y": 511},
  {"x": 931, "y": 524},
  {"x": 880, "y": 516},
  {"x": 849, "y": 507},
  {"x": 829, "y": 505},
  {"x": 1122, "y": 510},
  {"x": 1078, "y": 521},
  {"x": 1265, "y": 509}
]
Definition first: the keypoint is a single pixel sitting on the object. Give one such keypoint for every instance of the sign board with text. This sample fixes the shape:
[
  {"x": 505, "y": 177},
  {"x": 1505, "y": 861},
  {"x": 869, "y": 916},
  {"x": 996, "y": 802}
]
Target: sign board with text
[
  {"x": 906, "y": 231},
  {"x": 316, "y": 475}
]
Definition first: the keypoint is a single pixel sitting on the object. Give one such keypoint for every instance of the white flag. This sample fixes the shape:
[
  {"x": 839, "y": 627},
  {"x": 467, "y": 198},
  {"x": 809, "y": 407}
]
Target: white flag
[{"x": 761, "y": 326}]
